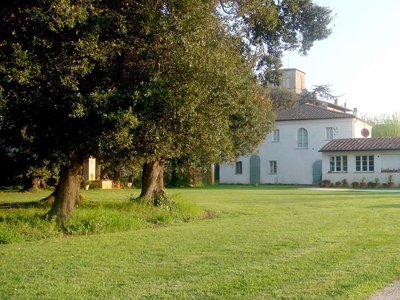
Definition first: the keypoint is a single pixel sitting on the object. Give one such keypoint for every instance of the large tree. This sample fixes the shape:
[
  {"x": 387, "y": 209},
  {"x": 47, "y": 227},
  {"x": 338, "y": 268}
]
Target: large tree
[
  {"x": 64, "y": 95},
  {"x": 227, "y": 114},
  {"x": 151, "y": 80}
]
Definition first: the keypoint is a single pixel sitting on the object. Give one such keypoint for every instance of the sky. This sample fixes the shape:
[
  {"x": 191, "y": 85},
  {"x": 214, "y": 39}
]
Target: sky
[{"x": 360, "y": 59}]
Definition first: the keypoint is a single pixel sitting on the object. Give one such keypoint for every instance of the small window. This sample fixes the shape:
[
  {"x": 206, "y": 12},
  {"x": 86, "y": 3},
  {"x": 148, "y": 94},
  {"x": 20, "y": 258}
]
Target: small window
[
  {"x": 272, "y": 167},
  {"x": 302, "y": 138},
  {"x": 238, "y": 169},
  {"x": 338, "y": 164},
  {"x": 329, "y": 133},
  {"x": 365, "y": 163},
  {"x": 276, "y": 137}
]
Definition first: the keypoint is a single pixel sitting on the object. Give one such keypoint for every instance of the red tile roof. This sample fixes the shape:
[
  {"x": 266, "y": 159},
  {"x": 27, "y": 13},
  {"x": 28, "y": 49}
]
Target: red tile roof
[
  {"x": 362, "y": 144},
  {"x": 309, "y": 112}
]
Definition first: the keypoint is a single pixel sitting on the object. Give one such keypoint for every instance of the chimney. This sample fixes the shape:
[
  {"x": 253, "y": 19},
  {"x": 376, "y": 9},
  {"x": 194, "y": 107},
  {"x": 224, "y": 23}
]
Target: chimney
[
  {"x": 355, "y": 111},
  {"x": 336, "y": 102}
]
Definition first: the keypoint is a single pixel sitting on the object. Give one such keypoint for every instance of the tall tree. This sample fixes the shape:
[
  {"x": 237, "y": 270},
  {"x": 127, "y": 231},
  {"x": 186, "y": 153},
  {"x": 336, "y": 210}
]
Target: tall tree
[
  {"x": 63, "y": 93},
  {"x": 203, "y": 100},
  {"x": 153, "y": 80}
]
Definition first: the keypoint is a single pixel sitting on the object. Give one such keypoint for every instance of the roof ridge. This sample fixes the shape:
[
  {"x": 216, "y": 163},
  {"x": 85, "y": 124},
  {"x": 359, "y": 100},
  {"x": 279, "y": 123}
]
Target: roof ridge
[{"x": 310, "y": 112}]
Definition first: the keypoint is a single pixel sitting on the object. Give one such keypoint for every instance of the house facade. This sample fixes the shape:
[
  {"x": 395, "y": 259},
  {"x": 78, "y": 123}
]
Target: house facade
[
  {"x": 361, "y": 159},
  {"x": 291, "y": 153}
]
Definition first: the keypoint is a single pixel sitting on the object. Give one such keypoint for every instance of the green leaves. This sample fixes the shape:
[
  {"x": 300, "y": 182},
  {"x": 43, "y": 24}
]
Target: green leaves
[
  {"x": 153, "y": 80},
  {"x": 271, "y": 27}
]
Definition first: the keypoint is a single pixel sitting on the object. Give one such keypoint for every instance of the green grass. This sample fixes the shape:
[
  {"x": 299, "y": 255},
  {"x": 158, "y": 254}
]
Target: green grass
[
  {"x": 269, "y": 242},
  {"x": 102, "y": 211}
]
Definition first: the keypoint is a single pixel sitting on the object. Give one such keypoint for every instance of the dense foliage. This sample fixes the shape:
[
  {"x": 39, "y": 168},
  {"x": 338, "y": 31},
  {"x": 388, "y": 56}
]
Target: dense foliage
[
  {"x": 282, "y": 98},
  {"x": 143, "y": 81},
  {"x": 385, "y": 125}
]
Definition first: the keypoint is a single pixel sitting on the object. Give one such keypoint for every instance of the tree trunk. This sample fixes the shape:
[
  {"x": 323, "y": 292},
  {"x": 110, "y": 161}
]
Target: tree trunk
[
  {"x": 153, "y": 180},
  {"x": 67, "y": 191},
  {"x": 43, "y": 184},
  {"x": 31, "y": 183}
]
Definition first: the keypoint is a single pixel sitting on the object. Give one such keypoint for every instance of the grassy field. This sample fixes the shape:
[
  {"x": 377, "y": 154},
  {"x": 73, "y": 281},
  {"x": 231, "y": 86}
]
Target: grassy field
[{"x": 268, "y": 242}]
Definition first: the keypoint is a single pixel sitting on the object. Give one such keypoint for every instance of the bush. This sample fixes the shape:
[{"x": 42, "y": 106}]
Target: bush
[{"x": 355, "y": 184}]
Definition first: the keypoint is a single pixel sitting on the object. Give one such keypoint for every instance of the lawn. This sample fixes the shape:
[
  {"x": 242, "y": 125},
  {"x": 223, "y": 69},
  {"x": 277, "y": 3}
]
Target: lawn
[{"x": 267, "y": 242}]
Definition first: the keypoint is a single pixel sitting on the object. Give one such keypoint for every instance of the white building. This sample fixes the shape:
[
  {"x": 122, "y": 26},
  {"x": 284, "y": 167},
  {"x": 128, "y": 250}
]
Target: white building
[{"x": 290, "y": 154}]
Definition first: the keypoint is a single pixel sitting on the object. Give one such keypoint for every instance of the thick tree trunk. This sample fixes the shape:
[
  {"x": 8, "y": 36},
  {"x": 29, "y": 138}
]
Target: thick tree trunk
[
  {"x": 153, "y": 180},
  {"x": 31, "y": 183},
  {"x": 67, "y": 190}
]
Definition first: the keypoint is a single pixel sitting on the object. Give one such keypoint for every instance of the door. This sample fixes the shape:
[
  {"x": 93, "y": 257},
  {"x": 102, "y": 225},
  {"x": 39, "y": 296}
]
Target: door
[
  {"x": 317, "y": 171},
  {"x": 254, "y": 169}
]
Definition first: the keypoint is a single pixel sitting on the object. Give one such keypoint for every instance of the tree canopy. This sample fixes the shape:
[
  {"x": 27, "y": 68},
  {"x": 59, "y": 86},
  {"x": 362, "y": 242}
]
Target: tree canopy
[
  {"x": 282, "y": 98},
  {"x": 147, "y": 80},
  {"x": 323, "y": 91}
]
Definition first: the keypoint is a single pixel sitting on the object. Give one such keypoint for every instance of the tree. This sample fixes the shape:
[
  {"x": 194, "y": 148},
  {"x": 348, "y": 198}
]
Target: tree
[
  {"x": 317, "y": 93},
  {"x": 62, "y": 95},
  {"x": 152, "y": 80},
  {"x": 208, "y": 114},
  {"x": 385, "y": 125},
  {"x": 282, "y": 98},
  {"x": 271, "y": 27},
  {"x": 248, "y": 29}
]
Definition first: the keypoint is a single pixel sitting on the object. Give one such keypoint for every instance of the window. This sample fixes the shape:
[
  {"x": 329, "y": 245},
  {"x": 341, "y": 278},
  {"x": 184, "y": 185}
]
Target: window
[
  {"x": 329, "y": 133},
  {"x": 338, "y": 164},
  {"x": 365, "y": 163},
  {"x": 286, "y": 82},
  {"x": 302, "y": 138},
  {"x": 238, "y": 169},
  {"x": 272, "y": 167},
  {"x": 276, "y": 135}
]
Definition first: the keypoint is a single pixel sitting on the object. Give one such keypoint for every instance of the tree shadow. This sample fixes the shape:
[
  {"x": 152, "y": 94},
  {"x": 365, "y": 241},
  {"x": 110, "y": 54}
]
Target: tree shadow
[
  {"x": 385, "y": 206},
  {"x": 33, "y": 204}
]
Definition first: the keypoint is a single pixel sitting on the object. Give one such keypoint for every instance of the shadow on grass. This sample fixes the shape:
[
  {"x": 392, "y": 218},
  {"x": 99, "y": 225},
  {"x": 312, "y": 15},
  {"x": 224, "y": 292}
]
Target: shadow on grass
[
  {"x": 385, "y": 206},
  {"x": 33, "y": 204}
]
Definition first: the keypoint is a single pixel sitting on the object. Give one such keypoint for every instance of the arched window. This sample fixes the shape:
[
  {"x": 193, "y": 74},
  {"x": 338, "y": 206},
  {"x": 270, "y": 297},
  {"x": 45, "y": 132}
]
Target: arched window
[{"x": 302, "y": 138}]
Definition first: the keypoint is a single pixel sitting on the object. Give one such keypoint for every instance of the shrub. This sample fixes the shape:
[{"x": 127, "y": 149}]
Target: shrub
[
  {"x": 326, "y": 182},
  {"x": 355, "y": 184}
]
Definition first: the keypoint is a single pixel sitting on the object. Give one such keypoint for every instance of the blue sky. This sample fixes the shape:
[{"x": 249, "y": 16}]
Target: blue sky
[{"x": 361, "y": 58}]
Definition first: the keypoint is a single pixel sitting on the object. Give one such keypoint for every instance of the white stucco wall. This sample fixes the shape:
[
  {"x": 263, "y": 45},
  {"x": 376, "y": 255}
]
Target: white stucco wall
[
  {"x": 294, "y": 165},
  {"x": 359, "y": 126},
  {"x": 227, "y": 172}
]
